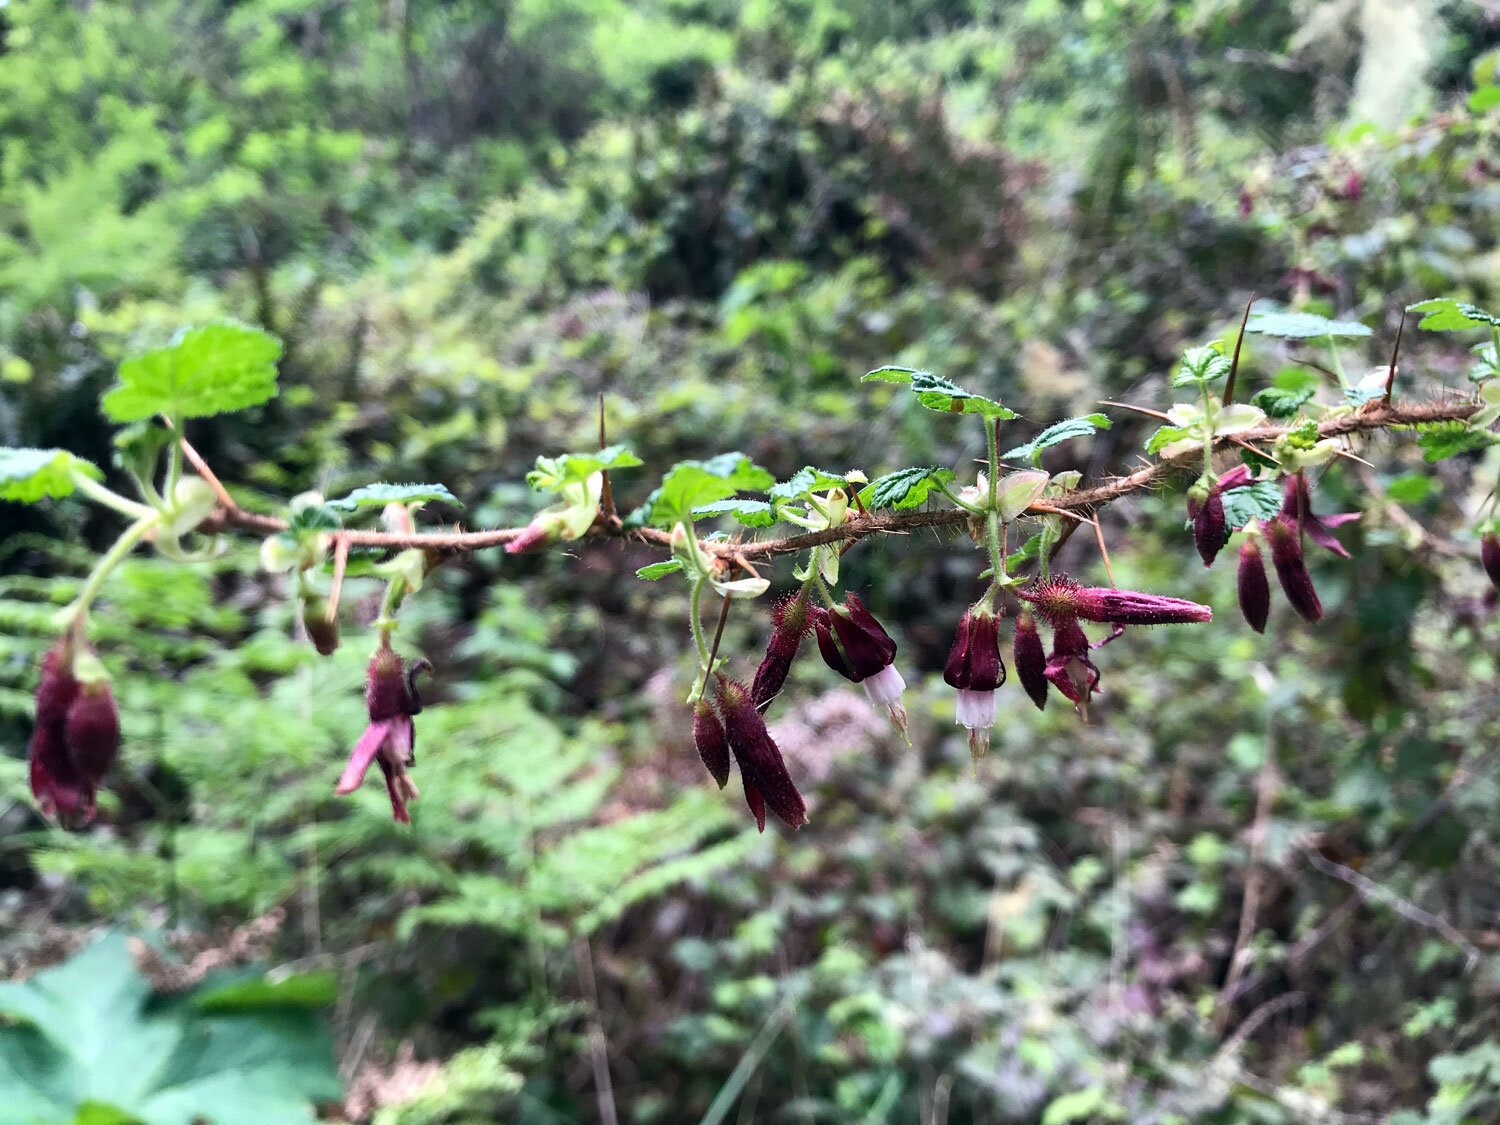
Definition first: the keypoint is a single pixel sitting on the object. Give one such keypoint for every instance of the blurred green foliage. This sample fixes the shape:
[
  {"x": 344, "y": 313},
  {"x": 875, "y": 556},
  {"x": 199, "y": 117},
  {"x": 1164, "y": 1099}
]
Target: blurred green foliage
[{"x": 469, "y": 220}]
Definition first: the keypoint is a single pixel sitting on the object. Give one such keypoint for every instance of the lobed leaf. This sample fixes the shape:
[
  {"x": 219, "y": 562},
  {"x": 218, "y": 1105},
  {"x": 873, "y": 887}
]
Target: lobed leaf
[
  {"x": 382, "y": 493},
  {"x": 751, "y": 513},
  {"x": 28, "y": 475},
  {"x": 1444, "y": 314},
  {"x": 209, "y": 370},
  {"x": 1278, "y": 403},
  {"x": 905, "y": 488},
  {"x": 552, "y": 473},
  {"x": 1441, "y": 440},
  {"x": 692, "y": 484},
  {"x": 1201, "y": 365},
  {"x": 938, "y": 393},
  {"x": 1057, "y": 433},
  {"x": 1303, "y": 326},
  {"x": 1260, "y": 500},
  {"x": 804, "y": 482}
]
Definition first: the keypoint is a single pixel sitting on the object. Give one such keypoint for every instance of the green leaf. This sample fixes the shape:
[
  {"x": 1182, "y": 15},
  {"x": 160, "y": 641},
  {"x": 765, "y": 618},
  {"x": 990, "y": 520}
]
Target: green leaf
[
  {"x": 552, "y": 473},
  {"x": 652, "y": 571},
  {"x": 1166, "y": 436},
  {"x": 905, "y": 488},
  {"x": 88, "y": 1041},
  {"x": 1484, "y": 99},
  {"x": 1029, "y": 550},
  {"x": 381, "y": 494},
  {"x": 1056, "y": 433},
  {"x": 1278, "y": 403},
  {"x": 937, "y": 393},
  {"x": 1441, "y": 440},
  {"x": 1201, "y": 365},
  {"x": 1302, "y": 326},
  {"x": 803, "y": 483},
  {"x": 751, "y": 513},
  {"x": 210, "y": 370},
  {"x": 1444, "y": 314},
  {"x": 27, "y": 475},
  {"x": 250, "y": 991},
  {"x": 691, "y": 484},
  {"x": 1260, "y": 500}
]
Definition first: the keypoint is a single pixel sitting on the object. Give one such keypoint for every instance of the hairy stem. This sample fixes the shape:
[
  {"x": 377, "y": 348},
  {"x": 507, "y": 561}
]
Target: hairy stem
[{"x": 75, "y": 610}]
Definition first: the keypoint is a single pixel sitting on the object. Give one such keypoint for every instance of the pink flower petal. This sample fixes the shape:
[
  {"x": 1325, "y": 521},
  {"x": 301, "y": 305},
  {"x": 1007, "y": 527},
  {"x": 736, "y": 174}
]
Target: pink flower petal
[{"x": 365, "y": 749}]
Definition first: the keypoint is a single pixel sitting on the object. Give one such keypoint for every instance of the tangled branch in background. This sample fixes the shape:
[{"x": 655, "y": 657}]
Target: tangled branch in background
[{"x": 1278, "y": 437}]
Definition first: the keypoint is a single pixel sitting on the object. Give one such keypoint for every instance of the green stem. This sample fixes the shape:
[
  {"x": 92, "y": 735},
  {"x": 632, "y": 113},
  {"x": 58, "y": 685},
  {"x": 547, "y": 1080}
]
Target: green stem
[
  {"x": 1338, "y": 365},
  {"x": 75, "y": 610},
  {"x": 395, "y": 593},
  {"x": 109, "y": 498},
  {"x": 993, "y": 440},
  {"x": 817, "y": 580},
  {"x": 174, "y": 465},
  {"x": 965, "y": 505},
  {"x": 997, "y": 557},
  {"x": 694, "y": 611},
  {"x": 1208, "y": 435}
]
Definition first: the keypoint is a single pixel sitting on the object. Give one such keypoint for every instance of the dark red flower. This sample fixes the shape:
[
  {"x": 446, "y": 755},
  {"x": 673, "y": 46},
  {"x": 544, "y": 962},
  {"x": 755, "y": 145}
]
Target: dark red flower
[
  {"x": 1296, "y": 505},
  {"x": 710, "y": 741},
  {"x": 76, "y": 737},
  {"x": 1031, "y": 659},
  {"x": 855, "y": 646},
  {"x": 390, "y": 739},
  {"x": 761, "y": 765},
  {"x": 1059, "y": 599},
  {"x": 1069, "y": 668},
  {"x": 1209, "y": 530},
  {"x": 1291, "y": 568},
  {"x": 791, "y": 622},
  {"x": 974, "y": 667},
  {"x": 1254, "y": 589},
  {"x": 1489, "y": 556}
]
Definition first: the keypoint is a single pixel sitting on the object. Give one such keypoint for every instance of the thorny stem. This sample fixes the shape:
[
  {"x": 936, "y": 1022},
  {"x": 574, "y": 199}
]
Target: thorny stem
[
  {"x": 75, "y": 610},
  {"x": 885, "y": 523}
]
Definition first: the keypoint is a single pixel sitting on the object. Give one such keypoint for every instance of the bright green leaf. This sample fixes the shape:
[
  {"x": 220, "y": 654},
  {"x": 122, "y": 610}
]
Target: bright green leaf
[
  {"x": 937, "y": 393},
  {"x": 1302, "y": 326},
  {"x": 1056, "y": 433},
  {"x": 905, "y": 488},
  {"x": 1279, "y": 403},
  {"x": 751, "y": 513},
  {"x": 804, "y": 482},
  {"x": 552, "y": 473},
  {"x": 691, "y": 484},
  {"x": 1260, "y": 500},
  {"x": 27, "y": 475},
  {"x": 1441, "y": 440},
  {"x": 1444, "y": 314},
  {"x": 1484, "y": 99},
  {"x": 210, "y": 370},
  {"x": 652, "y": 571},
  {"x": 381, "y": 494},
  {"x": 1166, "y": 435},
  {"x": 1201, "y": 365}
]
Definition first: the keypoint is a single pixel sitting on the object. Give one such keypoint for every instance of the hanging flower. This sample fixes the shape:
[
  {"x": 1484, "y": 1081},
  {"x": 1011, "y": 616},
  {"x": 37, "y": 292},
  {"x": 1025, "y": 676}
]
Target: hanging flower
[
  {"x": 77, "y": 733},
  {"x": 1031, "y": 659},
  {"x": 1296, "y": 505},
  {"x": 855, "y": 646},
  {"x": 1489, "y": 556},
  {"x": 791, "y": 623},
  {"x": 975, "y": 669},
  {"x": 762, "y": 768},
  {"x": 1060, "y": 599},
  {"x": 1254, "y": 590},
  {"x": 710, "y": 741},
  {"x": 1291, "y": 568},
  {"x": 1069, "y": 668},
  {"x": 390, "y": 739}
]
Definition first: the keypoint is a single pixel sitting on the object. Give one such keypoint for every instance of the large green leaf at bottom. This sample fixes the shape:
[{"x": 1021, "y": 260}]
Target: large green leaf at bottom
[{"x": 90, "y": 1041}]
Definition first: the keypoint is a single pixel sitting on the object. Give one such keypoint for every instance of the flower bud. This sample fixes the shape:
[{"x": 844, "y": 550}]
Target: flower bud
[
  {"x": 792, "y": 621},
  {"x": 1031, "y": 659},
  {"x": 1291, "y": 569},
  {"x": 710, "y": 741},
  {"x": 760, "y": 761},
  {"x": 1489, "y": 556},
  {"x": 323, "y": 633},
  {"x": 855, "y": 646},
  {"x": 93, "y": 731},
  {"x": 1060, "y": 600},
  {"x": 1209, "y": 531},
  {"x": 1254, "y": 589}
]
